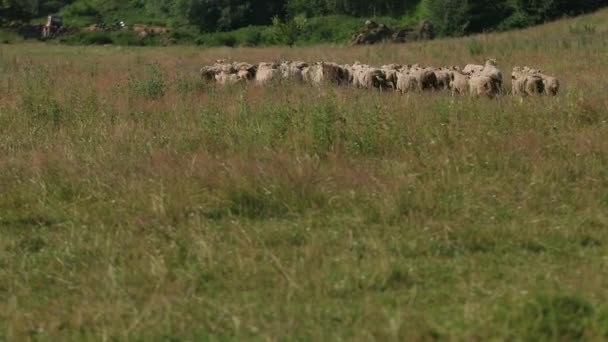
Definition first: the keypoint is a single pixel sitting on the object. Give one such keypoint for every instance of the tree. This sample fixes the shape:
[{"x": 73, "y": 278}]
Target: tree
[
  {"x": 289, "y": 31},
  {"x": 224, "y": 15},
  {"x": 450, "y": 17},
  {"x": 18, "y": 9},
  {"x": 487, "y": 14},
  {"x": 542, "y": 10},
  {"x": 309, "y": 8}
]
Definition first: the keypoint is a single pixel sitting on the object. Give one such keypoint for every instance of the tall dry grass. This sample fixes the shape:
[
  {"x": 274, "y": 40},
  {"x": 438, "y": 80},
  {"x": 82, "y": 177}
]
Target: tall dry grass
[{"x": 137, "y": 203}]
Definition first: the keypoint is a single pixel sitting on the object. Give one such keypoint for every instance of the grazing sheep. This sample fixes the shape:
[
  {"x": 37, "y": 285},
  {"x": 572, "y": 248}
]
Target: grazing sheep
[
  {"x": 406, "y": 82},
  {"x": 323, "y": 72},
  {"x": 391, "y": 76},
  {"x": 393, "y": 66},
  {"x": 491, "y": 70},
  {"x": 472, "y": 69},
  {"x": 366, "y": 77},
  {"x": 486, "y": 80},
  {"x": 348, "y": 73},
  {"x": 443, "y": 76},
  {"x": 427, "y": 80},
  {"x": 267, "y": 72},
  {"x": 459, "y": 82},
  {"x": 313, "y": 74},
  {"x": 335, "y": 73},
  {"x": 482, "y": 86},
  {"x": 543, "y": 84},
  {"x": 245, "y": 71},
  {"x": 292, "y": 70},
  {"x": 526, "y": 83},
  {"x": 225, "y": 78},
  {"x": 551, "y": 85},
  {"x": 208, "y": 73}
]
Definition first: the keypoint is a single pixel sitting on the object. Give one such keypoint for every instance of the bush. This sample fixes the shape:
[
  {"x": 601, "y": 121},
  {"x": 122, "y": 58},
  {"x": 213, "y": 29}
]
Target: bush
[
  {"x": 328, "y": 29},
  {"x": 455, "y": 17},
  {"x": 542, "y": 10},
  {"x": 128, "y": 38},
  {"x": 217, "y": 39},
  {"x": 122, "y": 37},
  {"x": 182, "y": 35},
  {"x": 289, "y": 31},
  {"x": 515, "y": 21},
  {"x": 52, "y": 6},
  {"x": 9, "y": 37},
  {"x": 250, "y": 36},
  {"x": 152, "y": 86},
  {"x": 555, "y": 318},
  {"x": 309, "y": 8},
  {"x": 336, "y": 28},
  {"x": 450, "y": 17},
  {"x": 80, "y": 9},
  {"x": 89, "y": 38}
]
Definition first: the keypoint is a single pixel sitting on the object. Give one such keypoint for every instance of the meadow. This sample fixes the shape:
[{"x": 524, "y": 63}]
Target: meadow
[{"x": 137, "y": 203}]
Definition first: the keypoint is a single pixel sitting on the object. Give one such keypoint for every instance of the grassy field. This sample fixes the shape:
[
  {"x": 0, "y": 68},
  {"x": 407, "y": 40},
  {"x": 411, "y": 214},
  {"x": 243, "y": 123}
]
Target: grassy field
[{"x": 138, "y": 204}]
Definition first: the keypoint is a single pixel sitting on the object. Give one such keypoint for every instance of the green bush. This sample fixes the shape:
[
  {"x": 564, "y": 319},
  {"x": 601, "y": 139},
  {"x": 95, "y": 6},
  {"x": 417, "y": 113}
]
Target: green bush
[
  {"x": 80, "y": 9},
  {"x": 555, "y": 318},
  {"x": 289, "y": 31},
  {"x": 250, "y": 36},
  {"x": 89, "y": 38},
  {"x": 455, "y": 17},
  {"x": 217, "y": 39},
  {"x": 151, "y": 86},
  {"x": 9, "y": 37},
  {"x": 450, "y": 17},
  {"x": 182, "y": 35},
  {"x": 51, "y": 6},
  {"x": 309, "y": 8},
  {"x": 515, "y": 21},
  {"x": 336, "y": 28},
  {"x": 123, "y": 37},
  {"x": 129, "y": 38}
]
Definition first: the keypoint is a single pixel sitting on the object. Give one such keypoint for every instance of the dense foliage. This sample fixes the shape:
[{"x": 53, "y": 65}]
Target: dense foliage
[{"x": 451, "y": 17}]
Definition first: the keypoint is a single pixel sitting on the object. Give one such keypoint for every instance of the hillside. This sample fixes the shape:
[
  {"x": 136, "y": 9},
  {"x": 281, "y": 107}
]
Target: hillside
[
  {"x": 249, "y": 22},
  {"x": 138, "y": 203}
]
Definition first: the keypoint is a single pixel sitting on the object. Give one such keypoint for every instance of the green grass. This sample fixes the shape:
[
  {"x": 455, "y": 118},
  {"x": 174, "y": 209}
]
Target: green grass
[
  {"x": 9, "y": 37},
  {"x": 139, "y": 204}
]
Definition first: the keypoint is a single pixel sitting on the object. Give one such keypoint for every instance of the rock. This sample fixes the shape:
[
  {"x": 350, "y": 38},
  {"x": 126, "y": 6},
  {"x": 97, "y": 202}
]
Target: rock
[{"x": 375, "y": 33}]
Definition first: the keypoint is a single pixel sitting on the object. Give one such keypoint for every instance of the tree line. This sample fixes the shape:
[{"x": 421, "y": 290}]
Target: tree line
[{"x": 451, "y": 17}]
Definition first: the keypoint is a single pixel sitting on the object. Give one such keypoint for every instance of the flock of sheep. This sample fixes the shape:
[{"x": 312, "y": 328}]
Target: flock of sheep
[{"x": 480, "y": 80}]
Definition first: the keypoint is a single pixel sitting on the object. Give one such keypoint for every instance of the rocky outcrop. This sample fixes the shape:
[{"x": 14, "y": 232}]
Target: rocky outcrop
[{"x": 374, "y": 33}]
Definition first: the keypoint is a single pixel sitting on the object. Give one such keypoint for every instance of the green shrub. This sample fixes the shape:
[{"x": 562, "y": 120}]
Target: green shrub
[
  {"x": 476, "y": 47},
  {"x": 217, "y": 39},
  {"x": 9, "y": 37},
  {"x": 89, "y": 38},
  {"x": 516, "y": 20},
  {"x": 450, "y": 17},
  {"x": 250, "y": 36},
  {"x": 80, "y": 9},
  {"x": 555, "y": 318},
  {"x": 255, "y": 203},
  {"x": 51, "y": 6},
  {"x": 39, "y": 101},
  {"x": 309, "y": 8},
  {"x": 583, "y": 29},
  {"x": 289, "y": 31},
  {"x": 336, "y": 28},
  {"x": 151, "y": 86},
  {"x": 129, "y": 38},
  {"x": 182, "y": 35}
]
